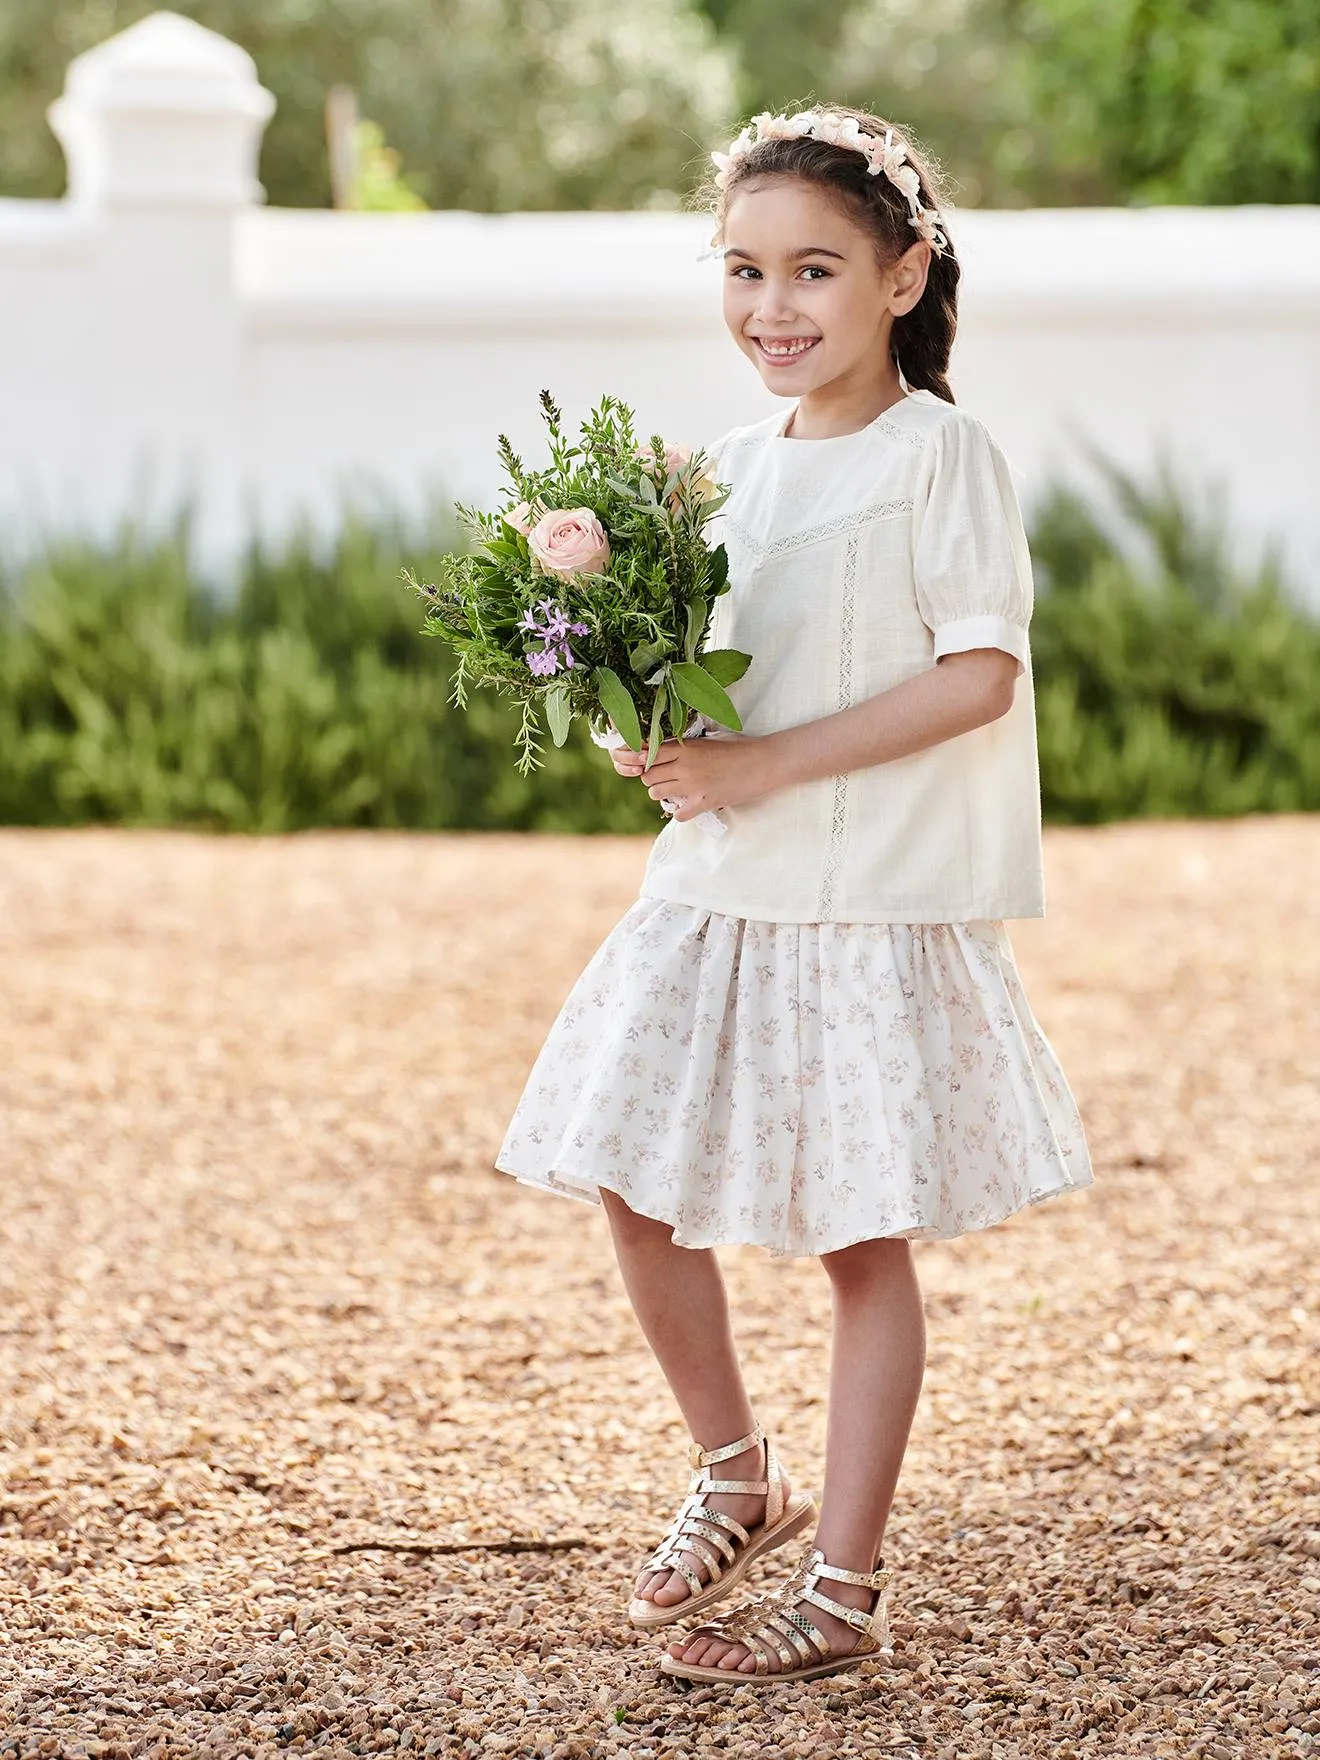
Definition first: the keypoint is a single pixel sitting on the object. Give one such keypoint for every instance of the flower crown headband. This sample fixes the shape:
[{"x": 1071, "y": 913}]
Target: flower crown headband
[{"x": 882, "y": 155}]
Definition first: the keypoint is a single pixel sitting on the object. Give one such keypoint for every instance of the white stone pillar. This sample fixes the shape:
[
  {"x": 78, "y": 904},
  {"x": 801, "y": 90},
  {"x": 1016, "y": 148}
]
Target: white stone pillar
[
  {"x": 165, "y": 113},
  {"x": 161, "y": 127}
]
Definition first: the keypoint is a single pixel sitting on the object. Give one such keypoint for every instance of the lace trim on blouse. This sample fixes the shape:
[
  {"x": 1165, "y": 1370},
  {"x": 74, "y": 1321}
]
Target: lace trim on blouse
[
  {"x": 896, "y": 431},
  {"x": 839, "y": 803},
  {"x": 830, "y": 528}
]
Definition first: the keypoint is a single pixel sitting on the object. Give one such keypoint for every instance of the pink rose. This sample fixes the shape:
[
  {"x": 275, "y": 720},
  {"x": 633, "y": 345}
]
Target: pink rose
[
  {"x": 675, "y": 457},
  {"x": 522, "y": 518},
  {"x": 678, "y": 458},
  {"x": 573, "y": 542}
]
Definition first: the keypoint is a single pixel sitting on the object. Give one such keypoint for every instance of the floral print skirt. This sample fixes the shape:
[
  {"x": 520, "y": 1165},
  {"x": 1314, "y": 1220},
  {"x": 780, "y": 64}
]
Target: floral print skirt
[{"x": 799, "y": 1086}]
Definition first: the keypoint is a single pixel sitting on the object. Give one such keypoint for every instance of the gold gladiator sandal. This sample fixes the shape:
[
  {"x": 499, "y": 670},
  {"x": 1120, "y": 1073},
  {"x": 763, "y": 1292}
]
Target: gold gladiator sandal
[
  {"x": 724, "y": 1546},
  {"x": 773, "y": 1622}
]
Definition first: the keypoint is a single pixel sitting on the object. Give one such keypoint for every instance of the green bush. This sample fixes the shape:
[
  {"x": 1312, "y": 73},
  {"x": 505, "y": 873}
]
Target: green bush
[
  {"x": 1176, "y": 684},
  {"x": 1168, "y": 680}
]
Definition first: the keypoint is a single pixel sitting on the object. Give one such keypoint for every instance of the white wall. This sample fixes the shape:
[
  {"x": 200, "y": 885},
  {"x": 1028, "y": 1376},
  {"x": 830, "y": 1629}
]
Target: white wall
[{"x": 162, "y": 335}]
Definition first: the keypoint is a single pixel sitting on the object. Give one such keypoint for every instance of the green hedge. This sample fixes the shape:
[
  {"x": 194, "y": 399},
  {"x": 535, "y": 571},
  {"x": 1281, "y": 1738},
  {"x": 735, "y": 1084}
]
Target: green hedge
[
  {"x": 1180, "y": 686},
  {"x": 131, "y": 695}
]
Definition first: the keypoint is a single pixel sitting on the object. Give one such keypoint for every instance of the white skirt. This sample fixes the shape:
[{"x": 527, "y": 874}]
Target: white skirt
[{"x": 799, "y": 1086}]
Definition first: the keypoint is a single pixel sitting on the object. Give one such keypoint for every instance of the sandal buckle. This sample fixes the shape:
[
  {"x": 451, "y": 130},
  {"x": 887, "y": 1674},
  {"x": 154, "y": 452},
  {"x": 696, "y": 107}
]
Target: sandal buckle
[
  {"x": 695, "y": 1452},
  {"x": 857, "y": 1619}
]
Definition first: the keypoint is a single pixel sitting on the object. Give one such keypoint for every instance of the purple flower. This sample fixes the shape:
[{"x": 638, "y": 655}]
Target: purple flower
[
  {"x": 554, "y": 631},
  {"x": 555, "y": 628}
]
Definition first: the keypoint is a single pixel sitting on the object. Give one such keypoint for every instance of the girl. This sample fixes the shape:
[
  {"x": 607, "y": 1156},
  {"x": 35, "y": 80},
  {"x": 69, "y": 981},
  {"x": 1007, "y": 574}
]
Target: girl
[{"x": 809, "y": 1033}]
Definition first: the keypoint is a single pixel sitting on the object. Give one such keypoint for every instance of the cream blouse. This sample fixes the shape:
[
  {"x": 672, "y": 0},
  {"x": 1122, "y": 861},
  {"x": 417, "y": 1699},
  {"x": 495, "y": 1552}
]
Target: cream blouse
[{"x": 856, "y": 563}]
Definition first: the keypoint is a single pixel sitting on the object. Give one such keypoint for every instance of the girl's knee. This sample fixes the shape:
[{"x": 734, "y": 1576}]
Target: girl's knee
[{"x": 866, "y": 1262}]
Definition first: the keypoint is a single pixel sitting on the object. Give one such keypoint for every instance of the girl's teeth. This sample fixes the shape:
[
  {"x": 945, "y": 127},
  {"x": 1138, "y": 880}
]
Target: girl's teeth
[{"x": 783, "y": 348}]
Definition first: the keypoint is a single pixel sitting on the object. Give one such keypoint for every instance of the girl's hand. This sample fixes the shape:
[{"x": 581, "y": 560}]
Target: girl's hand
[
  {"x": 626, "y": 761},
  {"x": 703, "y": 775}
]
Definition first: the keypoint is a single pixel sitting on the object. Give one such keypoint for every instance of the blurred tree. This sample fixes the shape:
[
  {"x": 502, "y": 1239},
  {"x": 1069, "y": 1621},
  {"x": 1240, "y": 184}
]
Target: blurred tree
[
  {"x": 1169, "y": 102},
  {"x": 1063, "y": 101},
  {"x": 952, "y": 72},
  {"x": 491, "y": 104},
  {"x": 785, "y": 48},
  {"x": 585, "y": 103}
]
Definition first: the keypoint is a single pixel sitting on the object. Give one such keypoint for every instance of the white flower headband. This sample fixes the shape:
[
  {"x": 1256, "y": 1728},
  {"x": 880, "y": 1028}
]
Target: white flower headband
[{"x": 887, "y": 155}]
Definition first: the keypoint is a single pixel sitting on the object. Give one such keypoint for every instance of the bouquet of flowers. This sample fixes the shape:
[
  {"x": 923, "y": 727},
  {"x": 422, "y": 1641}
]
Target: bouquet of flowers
[{"x": 590, "y": 592}]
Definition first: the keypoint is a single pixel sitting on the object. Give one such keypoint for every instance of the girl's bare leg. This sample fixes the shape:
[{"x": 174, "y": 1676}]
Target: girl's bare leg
[
  {"x": 879, "y": 1359},
  {"x": 677, "y": 1294}
]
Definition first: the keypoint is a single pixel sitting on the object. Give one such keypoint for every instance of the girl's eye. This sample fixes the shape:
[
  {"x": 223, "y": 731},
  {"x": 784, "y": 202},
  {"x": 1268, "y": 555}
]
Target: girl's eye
[
  {"x": 743, "y": 270},
  {"x": 814, "y": 269}
]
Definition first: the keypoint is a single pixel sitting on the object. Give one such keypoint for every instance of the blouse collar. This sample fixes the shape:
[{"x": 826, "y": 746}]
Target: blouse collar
[{"x": 884, "y": 416}]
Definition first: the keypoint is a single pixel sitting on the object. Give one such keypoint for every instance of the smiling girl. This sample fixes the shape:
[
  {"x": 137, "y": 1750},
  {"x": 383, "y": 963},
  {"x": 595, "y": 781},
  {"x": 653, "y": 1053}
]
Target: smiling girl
[{"x": 810, "y": 1033}]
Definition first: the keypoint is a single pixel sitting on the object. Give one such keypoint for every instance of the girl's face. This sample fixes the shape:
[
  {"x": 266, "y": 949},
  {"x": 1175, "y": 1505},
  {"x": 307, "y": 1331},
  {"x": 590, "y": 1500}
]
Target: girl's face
[{"x": 805, "y": 297}]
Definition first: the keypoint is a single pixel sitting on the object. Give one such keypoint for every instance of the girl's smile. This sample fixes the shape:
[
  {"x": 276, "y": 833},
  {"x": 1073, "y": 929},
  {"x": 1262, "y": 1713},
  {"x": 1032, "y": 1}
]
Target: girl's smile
[{"x": 777, "y": 352}]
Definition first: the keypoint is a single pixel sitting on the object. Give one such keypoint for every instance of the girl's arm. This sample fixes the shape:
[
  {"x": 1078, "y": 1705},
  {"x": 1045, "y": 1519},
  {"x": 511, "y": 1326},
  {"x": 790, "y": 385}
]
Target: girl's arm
[{"x": 961, "y": 692}]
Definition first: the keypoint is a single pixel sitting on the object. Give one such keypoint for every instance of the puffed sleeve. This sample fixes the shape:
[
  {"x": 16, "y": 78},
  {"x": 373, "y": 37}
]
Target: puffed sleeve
[{"x": 970, "y": 560}]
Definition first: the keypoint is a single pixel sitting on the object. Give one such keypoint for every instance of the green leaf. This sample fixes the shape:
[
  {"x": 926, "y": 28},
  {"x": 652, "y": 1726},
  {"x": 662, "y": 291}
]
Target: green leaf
[
  {"x": 506, "y": 549},
  {"x": 618, "y": 705},
  {"x": 704, "y": 694},
  {"x": 696, "y": 627},
  {"x": 627, "y": 490},
  {"x": 719, "y": 571},
  {"x": 725, "y": 665},
  {"x": 653, "y": 744},
  {"x": 558, "y": 713},
  {"x": 678, "y": 709},
  {"x": 646, "y": 656}
]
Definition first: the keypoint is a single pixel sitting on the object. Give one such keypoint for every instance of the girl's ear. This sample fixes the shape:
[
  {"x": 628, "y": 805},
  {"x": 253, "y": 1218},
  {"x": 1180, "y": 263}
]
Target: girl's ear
[{"x": 908, "y": 278}]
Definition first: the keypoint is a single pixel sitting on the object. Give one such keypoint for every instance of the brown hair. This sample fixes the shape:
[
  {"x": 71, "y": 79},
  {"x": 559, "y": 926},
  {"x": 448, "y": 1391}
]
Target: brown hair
[{"x": 923, "y": 337}]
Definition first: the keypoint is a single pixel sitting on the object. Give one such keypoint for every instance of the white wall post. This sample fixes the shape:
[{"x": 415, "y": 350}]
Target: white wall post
[{"x": 161, "y": 127}]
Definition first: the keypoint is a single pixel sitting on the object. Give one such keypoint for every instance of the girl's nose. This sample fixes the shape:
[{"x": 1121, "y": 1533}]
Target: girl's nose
[{"x": 775, "y": 303}]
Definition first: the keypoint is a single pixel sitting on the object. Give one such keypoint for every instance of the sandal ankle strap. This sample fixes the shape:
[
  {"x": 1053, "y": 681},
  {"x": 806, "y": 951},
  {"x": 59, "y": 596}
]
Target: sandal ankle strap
[
  {"x": 771, "y": 1487},
  {"x": 711, "y": 1457},
  {"x": 878, "y": 1579},
  {"x": 866, "y": 1621}
]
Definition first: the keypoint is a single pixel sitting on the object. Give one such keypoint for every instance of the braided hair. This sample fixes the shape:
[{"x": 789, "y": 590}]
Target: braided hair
[{"x": 922, "y": 338}]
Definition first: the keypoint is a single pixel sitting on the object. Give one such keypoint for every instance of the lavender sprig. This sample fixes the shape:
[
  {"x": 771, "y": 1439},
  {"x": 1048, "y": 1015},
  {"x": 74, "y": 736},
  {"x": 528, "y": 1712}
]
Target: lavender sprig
[{"x": 554, "y": 632}]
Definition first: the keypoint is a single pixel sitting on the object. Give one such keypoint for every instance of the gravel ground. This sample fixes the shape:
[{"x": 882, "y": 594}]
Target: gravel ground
[{"x": 284, "y": 1366}]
